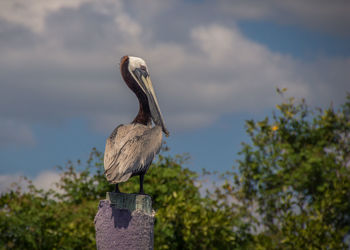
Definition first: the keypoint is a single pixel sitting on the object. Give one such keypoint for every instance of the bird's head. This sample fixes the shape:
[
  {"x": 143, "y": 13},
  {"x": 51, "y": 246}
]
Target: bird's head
[{"x": 138, "y": 69}]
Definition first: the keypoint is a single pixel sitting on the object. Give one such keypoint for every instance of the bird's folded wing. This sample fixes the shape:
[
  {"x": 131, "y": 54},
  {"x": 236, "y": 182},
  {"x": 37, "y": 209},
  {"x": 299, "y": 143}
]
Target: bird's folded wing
[{"x": 132, "y": 156}]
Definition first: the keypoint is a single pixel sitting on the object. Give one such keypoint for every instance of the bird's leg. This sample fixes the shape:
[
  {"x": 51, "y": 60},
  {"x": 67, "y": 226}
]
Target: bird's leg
[
  {"x": 116, "y": 188},
  {"x": 141, "y": 184}
]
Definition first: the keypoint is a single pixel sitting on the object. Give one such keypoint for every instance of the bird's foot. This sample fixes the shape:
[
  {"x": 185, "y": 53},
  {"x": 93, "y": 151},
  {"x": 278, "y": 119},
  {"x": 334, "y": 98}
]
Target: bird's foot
[
  {"x": 141, "y": 191},
  {"x": 116, "y": 190},
  {"x": 141, "y": 184}
]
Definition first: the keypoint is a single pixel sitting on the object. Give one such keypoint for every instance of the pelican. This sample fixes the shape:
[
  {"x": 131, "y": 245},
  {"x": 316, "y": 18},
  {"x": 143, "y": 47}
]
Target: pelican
[{"x": 130, "y": 149}]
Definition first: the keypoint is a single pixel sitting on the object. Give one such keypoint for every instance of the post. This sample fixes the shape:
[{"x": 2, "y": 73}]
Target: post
[{"x": 124, "y": 221}]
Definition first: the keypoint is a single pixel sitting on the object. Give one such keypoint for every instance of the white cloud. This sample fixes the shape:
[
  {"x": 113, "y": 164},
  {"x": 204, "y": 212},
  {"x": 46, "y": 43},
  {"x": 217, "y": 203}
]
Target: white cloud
[
  {"x": 45, "y": 180},
  {"x": 32, "y": 13},
  {"x": 328, "y": 79},
  {"x": 71, "y": 68},
  {"x": 128, "y": 25},
  {"x": 229, "y": 73},
  {"x": 323, "y": 15},
  {"x": 332, "y": 16},
  {"x": 7, "y": 182}
]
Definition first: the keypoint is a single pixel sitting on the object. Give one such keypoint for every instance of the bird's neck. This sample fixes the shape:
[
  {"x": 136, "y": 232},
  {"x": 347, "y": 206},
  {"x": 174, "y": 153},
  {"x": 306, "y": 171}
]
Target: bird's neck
[{"x": 144, "y": 115}]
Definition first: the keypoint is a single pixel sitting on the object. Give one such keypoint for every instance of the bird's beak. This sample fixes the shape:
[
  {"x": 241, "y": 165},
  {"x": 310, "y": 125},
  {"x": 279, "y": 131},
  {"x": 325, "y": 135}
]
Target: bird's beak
[{"x": 144, "y": 80}]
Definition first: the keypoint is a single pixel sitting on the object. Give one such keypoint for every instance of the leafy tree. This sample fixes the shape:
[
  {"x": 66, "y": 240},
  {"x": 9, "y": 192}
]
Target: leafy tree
[
  {"x": 290, "y": 190},
  {"x": 63, "y": 219},
  {"x": 295, "y": 176}
]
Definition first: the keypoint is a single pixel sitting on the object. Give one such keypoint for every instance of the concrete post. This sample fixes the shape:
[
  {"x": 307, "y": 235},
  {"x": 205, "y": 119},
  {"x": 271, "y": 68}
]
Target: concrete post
[{"x": 124, "y": 221}]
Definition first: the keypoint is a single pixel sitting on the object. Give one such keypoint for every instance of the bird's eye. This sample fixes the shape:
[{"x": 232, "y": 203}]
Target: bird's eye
[{"x": 143, "y": 67}]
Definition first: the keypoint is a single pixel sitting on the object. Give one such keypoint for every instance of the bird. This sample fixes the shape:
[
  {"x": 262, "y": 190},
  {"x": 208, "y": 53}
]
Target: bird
[{"x": 130, "y": 148}]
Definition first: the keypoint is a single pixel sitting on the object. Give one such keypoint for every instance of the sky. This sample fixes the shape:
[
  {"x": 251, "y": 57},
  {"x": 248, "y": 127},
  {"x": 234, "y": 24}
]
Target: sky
[{"x": 213, "y": 64}]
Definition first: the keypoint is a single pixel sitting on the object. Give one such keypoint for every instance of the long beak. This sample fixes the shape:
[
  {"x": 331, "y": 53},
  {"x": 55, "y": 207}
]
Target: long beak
[{"x": 145, "y": 83}]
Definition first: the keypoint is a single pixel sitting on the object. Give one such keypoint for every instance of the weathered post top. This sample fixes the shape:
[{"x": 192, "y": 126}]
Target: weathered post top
[
  {"x": 124, "y": 221},
  {"x": 132, "y": 202}
]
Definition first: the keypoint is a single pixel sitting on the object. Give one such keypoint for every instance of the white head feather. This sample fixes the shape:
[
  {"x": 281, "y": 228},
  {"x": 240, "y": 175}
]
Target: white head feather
[{"x": 136, "y": 62}]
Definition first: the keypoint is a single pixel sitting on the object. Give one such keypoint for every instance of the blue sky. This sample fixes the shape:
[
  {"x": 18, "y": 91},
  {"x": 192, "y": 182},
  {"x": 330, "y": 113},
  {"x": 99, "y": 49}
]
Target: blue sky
[{"x": 214, "y": 64}]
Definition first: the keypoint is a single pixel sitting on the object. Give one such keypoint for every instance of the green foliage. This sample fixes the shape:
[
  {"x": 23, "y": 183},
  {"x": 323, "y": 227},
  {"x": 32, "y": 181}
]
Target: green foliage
[
  {"x": 295, "y": 175},
  {"x": 64, "y": 219},
  {"x": 291, "y": 190},
  {"x": 35, "y": 221},
  {"x": 184, "y": 219}
]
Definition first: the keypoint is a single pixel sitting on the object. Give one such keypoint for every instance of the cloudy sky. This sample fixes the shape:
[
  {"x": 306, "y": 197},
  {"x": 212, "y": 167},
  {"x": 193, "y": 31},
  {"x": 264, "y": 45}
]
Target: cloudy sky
[{"x": 213, "y": 64}]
